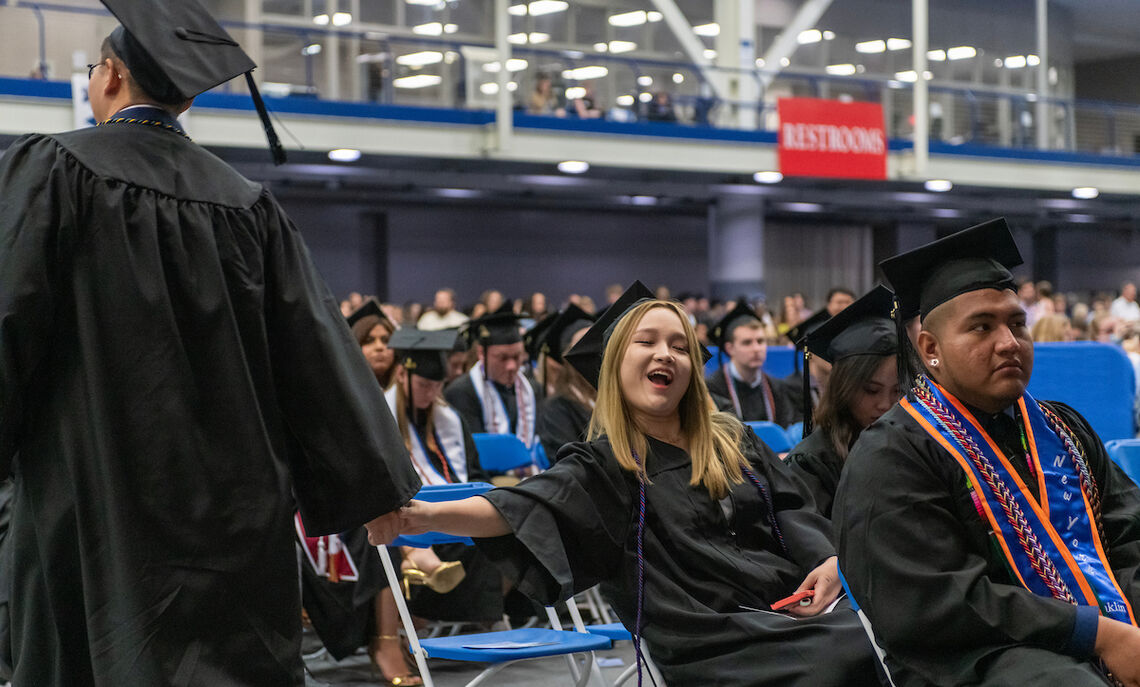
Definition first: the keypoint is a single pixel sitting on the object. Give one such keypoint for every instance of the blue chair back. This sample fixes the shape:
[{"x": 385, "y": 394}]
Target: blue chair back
[
  {"x": 795, "y": 433},
  {"x": 1126, "y": 454},
  {"x": 772, "y": 434},
  {"x": 780, "y": 362},
  {"x": 437, "y": 493},
  {"x": 499, "y": 453},
  {"x": 1095, "y": 378}
]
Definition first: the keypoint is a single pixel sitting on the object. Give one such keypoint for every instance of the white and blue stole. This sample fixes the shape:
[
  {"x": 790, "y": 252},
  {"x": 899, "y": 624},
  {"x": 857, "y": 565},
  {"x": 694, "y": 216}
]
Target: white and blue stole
[
  {"x": 1053, "y": 543},
  {"x": 448, "y": 437}
]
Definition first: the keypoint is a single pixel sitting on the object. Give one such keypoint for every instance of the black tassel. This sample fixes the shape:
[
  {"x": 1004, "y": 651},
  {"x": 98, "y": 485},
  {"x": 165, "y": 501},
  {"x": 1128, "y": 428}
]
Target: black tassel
[
  {"x": 906, "y": 354},
  {"x": 809, "y": 407},
  {"x": 275, "y": 147}
]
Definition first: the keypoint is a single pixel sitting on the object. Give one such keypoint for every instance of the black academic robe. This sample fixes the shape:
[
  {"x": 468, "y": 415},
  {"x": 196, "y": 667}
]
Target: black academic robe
[
  {"x": 794, "y": 385},
  {"x": 939, "y": 596},
  {"x": 176, "y": 380},
  {"x": 561, "y": 420},
  {"x": 752, "y": 399},
  {"x": 575, "y": 526},
  {"x": 816, "y": 462},
  {"x": 461, "y": 396}
]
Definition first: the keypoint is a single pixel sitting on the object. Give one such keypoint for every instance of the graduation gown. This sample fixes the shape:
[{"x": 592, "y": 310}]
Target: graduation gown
[
  {"x": 575, "y": 526},
  {"x": 752, "y": 399},
  {"x": 176, "y": 380},
  {"x": 561, "y": 420},
  {"x": 815, "y": 461},
  {"x": 937, "y": 592},
  {"x": 461, "y": 396}
]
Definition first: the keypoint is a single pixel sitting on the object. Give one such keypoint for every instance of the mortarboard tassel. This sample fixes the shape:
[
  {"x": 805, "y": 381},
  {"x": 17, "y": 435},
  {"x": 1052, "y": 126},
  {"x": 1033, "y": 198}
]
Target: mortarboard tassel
[
  {"x": 809, "y": 407},
  {"x": 275, "y": 146}
]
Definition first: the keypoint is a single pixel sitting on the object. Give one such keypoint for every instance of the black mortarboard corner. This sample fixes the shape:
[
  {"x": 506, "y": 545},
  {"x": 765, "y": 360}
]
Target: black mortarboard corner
[
  {"x": 556, "y": 339},
  {"x": 741, "y": 314},
  {"x": 176, "y": 50},
  {"x": 586, "y": 355},
  {"x": 930, "y": 275},
  {"x": 864, "y": 327},
  {"x": 422, "y": 352},
  {"x": 370, "y": 308},
  {"x": 494, "y": 329},
  {"x": 532, "y": 338}
]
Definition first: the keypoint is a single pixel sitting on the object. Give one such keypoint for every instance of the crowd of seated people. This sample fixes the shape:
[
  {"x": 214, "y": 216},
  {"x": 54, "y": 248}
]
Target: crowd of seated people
[{"x": 504, "y": 369}]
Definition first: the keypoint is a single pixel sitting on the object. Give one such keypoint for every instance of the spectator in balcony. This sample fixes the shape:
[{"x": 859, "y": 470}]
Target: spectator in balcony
[
  {"x": 585, "y": 106},
  {"x": 660, "y": 109},
  {"x": 443, "y": 314},
  {"x": 1125, "y": 308},
  {"x": 542, "y": 100}
]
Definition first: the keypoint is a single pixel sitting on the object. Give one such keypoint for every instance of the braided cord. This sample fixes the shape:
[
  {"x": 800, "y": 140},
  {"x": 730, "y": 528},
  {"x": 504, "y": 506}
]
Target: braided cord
[
  {"x": 1041, "y": 563},
  {"x": 771, "y": 509},
  {"x": 147, "y": 122},
  {"x": 640, "y": 565}
]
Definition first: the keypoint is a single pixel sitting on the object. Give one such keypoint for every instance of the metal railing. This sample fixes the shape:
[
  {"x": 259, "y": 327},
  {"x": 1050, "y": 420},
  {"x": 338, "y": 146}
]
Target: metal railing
[{"x": 460, "y": 74}]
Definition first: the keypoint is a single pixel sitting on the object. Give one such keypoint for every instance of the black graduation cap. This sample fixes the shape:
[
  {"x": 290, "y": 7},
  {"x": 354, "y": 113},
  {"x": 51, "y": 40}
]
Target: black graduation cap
[
  {"x": 176, "y": 50},
  {"x": 422, "y": 352},
  {"x": 586, "y": 355},
  {"x": 494, "y": 329},
  {"x": 972, "y": 259},
  {"x": 798, "y": 333},
  {"x": 532, "y": 338},
  {"x": 741, "y": 314},
  {"x": 556, "y": 338},
  {"x": 863, "y": 327},
  {"x": 370, "y": 308}
]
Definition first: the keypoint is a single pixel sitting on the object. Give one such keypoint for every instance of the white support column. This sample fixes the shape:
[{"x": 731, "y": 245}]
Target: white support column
[
  {"x": 504, "y": 113},
  {"x": 736, "y": 48},
  {"x": 331, "y": 90},
  {"x": 253, "y": 45},
  {"x": 1044, "y": 125},
  {"x": 919, "y": 43},
  {"x": 788, "y": 40},
  {"x": 692, "y": 45}
]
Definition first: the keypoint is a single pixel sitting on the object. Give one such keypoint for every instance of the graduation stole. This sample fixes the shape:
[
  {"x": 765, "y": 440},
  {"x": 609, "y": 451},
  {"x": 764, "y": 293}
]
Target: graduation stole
[
  {"x": 495, "y": 417},
  {"x": 327, "y": 555},
  {"x": 769, "y": 399},
  {"x": 1056, "y": 548},
  {"x": 449, "y": 439}
]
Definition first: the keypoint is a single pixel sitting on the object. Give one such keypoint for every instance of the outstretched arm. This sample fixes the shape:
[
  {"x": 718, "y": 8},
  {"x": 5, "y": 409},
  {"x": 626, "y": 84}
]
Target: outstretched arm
[{"x": 472, "y": 517}]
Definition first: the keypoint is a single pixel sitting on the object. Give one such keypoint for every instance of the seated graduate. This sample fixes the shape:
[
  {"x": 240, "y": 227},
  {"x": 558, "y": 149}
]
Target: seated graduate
[
  {"x": 690, "y": 523},
  {"x": 741, "y": 386},
  {"x": 373, "y": 330},
  {"x": 986, "y": 534},
  {"x": 564, "y": 415},
  {"x": 860, "y": 344},
  {"x": 452, "y": 581},
  {"x": 807, "y": 389},
  {"x": 495, "y": 397}
]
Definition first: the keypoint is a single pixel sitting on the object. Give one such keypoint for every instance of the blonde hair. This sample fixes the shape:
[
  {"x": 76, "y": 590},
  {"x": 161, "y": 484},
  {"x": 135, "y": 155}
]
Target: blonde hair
[
  {"x": 714, "y": 437},
  {"x": 402, "y": 414}
]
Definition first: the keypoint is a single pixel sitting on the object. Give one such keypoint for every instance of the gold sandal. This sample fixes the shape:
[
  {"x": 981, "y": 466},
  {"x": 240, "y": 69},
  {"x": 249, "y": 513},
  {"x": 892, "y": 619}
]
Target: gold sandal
[
  {"x": 441, "y": 580},
  {"x": 406, "y": 680}
]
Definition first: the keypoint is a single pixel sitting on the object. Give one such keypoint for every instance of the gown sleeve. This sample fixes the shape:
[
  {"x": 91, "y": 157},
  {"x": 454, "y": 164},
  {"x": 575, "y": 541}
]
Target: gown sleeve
[
  {"x": 36, "y": 221},
  {"x": 805, "y": 531},
  {"x": 917, "y": 563},
  {"x": 818, "y": 469},
  {"x": 349, "y": 463},
  {"x": 460, "y": 395},
  {"x": 475, "y": 471},
  {"x": 570, "y": 525},
  {"x": 557, "y": 425}
]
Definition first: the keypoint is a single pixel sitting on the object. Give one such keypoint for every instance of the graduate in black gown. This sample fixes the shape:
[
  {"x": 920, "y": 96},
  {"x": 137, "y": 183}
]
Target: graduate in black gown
[
  {"x": 466, "y": 587},
  {"x": 740, "y": 386},
  {"x": 495, "y": 397},
  {"x": 564, "y": 415},
  {"x": 810, "y": 376},
  {"x": 725, "y": 531},
  {"x": 987, "y": 535},
  {"x": 859, "y": 343},
  {"x": 175, "y": 381}
]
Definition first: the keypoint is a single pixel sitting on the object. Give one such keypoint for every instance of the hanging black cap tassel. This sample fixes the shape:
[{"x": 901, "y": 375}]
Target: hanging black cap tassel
[
  {"x": 809, "y": 407},
  {"x": 275, "y": 146},
  {"x": 906, "y": 354}
]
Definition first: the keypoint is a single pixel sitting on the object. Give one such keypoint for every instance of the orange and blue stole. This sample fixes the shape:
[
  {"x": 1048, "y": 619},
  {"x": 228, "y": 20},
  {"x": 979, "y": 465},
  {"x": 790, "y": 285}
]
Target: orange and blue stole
[{"x": 1052, "y": 543}]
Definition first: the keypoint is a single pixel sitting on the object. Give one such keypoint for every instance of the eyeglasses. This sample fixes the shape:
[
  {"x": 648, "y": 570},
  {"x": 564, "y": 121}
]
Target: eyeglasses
[{"x": 91, "y": 69}]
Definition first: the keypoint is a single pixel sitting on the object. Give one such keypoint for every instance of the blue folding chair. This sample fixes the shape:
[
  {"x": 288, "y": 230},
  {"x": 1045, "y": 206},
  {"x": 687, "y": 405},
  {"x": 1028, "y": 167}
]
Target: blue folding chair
[
  {"x": 616, "y": 632},
  {"x": 499, "y": 649},
  {"x": 772, "y": 434},
  {"x": 1126, "y": 454},
  {"x": 499, "y": 453},
  {"x": 879, "y": 653}
]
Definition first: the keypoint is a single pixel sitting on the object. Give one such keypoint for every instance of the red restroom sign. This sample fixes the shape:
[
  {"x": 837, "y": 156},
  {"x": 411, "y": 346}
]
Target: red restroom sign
[{"x": 827, "y": 138}]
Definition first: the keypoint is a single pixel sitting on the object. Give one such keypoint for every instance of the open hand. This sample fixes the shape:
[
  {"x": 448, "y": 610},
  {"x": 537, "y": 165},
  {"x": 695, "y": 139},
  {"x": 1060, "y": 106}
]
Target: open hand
[{"x": 825, "y": 581}]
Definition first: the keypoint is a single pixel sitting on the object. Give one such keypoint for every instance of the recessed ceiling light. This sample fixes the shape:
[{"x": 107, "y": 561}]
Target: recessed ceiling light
[
  {"x": 573, "y": 167},
  {"x": 768, "y": 177},
  {"x": 344, "y": 155},
  {"x": 939, "y": 185},
  {"x": 1085, "y": 192}
]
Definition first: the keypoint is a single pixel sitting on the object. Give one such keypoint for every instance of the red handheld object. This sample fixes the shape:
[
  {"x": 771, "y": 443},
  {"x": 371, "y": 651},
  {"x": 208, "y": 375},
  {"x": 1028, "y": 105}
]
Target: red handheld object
[{"x": 798, "y": 598}]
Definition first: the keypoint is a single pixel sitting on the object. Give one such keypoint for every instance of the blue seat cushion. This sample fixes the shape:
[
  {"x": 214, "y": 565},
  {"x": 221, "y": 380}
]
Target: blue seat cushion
[
  {"x": 544, "y": 643},
  {"x": 615, "y": 631}
]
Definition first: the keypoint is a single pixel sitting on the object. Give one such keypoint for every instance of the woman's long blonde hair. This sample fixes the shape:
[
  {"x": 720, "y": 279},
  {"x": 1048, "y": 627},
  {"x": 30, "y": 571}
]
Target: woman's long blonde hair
[{"x": 714, "y": 437}]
